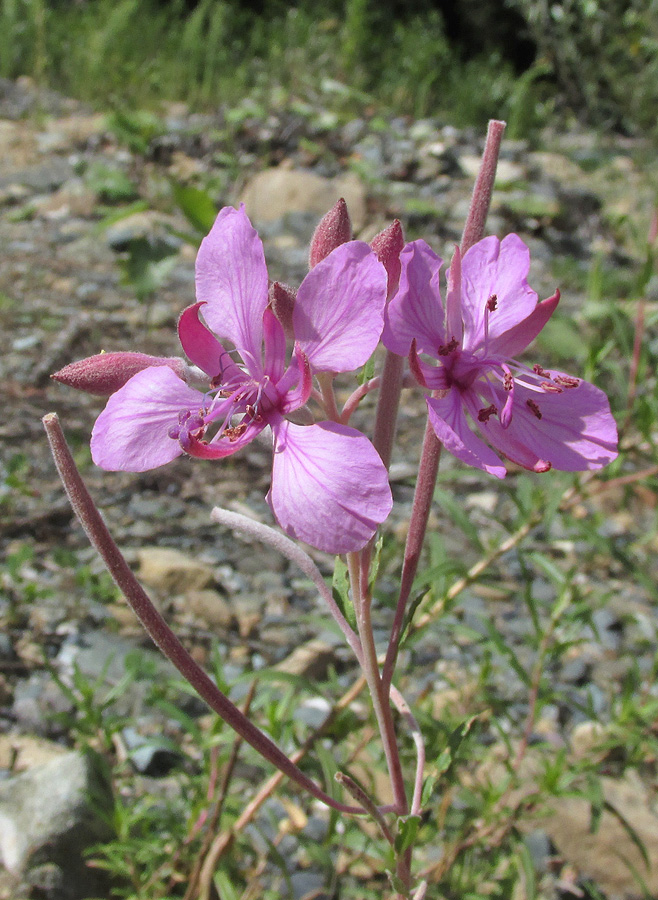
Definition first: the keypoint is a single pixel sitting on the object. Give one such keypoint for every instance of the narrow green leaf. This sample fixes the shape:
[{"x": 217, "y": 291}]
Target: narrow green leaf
[
  {"x": 340, "y": 587},
  {"x": 368, "y": 371},
  {"x": 196, "y": 205},
  {"x": 406, "y": 836}
]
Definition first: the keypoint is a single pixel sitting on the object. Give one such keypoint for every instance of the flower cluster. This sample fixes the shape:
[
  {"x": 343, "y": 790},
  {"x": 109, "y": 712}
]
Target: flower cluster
[
  {"x": 538, "y": 418},
  {"x": 257, "y": 351}
]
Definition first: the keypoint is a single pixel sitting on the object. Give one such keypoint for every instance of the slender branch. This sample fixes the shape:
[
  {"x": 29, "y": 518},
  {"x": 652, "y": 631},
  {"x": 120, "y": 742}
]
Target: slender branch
[
  {"x": 403, "y": 708},
  {"x": 420, "y": 511},
  {"x": 371, "y": 671},
  {"x": 326, "y": 382},
  {"x": 366, "y": 802},
  {"x": 155, "y": 625},
  {"x": 356, "y": 397},
  {"x": 216, "y": 813}
]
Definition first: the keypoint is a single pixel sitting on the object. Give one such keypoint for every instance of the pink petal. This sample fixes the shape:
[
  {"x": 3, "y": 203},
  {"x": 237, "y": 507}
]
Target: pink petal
[
  {"x": 275, "y": 346},
  {"x": 505, "y": 439},
  {"x": 299, "y": 373},
  {"x": 451, "y": 427},
  {"x": 339, "y": 310},
  {"x": 132, "y": 432},
  {"x": 202, "y": 347},
  {"x": 416, "y": 310},
  {"x": 231, "y": 277},
  {"x": 495, "y": 268},
  {"x": 329, "y": 485},
  {"x": 518, "y": 337},
  {"x": 576, "y": 430}
]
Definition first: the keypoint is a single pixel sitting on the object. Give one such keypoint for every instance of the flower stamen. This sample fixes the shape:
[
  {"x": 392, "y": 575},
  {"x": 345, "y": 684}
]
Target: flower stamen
[
  {"x": 485, "y": 414},
  {"x": 534, "y": 409}
]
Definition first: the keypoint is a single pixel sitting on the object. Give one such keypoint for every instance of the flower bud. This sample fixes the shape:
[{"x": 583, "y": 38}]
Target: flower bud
[
  {"x": 333, "y": 230},
  {"x": 105, "y": 373},
  {"x": 282, "y": 303},
  {"x": 388, "y": 245}
]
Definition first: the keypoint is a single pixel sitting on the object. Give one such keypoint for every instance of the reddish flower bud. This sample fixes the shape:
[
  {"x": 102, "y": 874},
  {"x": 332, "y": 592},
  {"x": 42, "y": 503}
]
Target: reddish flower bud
[
  {"x": 282, "y": 303},
  {"x": 333, "y": 230},
  {"x": 388, "y": 245},
  {"x": 105, "y": 373}
]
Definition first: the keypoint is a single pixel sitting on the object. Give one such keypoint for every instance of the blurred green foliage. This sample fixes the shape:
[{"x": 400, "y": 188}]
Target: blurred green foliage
[
  {"x": 603, "y": 55},
  {"x": 596, "y": 60}
]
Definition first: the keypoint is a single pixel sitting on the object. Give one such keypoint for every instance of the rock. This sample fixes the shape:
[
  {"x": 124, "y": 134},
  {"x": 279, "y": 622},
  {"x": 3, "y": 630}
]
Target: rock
[
  {"x": 309, "y": 660},
  {"x": 171, "y": 572},
  {"x": 49, "y": 816},
  {"x": 609, "y": 855},
  {"x": 153, "y": 756},
  {"x": 19, "y": 752},
  {"x": 149, "y": 225},
  {"x": 587, "y": 737},
  {"x": 507, "y": 172},
  {"x": 37, "y": 700},
  {"x": 274, "y": 193},
  {"x": 211, "y": 608},
  {"x": 47, "y": 176}
]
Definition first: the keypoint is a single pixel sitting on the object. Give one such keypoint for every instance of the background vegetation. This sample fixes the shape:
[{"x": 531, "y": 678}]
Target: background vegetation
[{"x": 524, "y": 60}]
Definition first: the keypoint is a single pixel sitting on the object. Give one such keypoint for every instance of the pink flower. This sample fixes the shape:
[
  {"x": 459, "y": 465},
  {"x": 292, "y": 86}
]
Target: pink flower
[
  {"x": 329, "y": 486},
  {"x": 538, "y": 418}
]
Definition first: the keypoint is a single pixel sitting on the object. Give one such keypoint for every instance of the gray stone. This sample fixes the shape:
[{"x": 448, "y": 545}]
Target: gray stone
[
  {"x": 49, "y": 816},
  {"x": 44, "y": 177},
  {"x": 36, "y": 700}
]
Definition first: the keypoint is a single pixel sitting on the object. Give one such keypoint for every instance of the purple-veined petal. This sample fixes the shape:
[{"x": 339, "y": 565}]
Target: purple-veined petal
[
  {"x": 504, "y": 438},
  {"x": 231, "y": 278},
  {"x": 493, "y": 268},
  {"x": 573, "y": 431},
  {"x": 329, "y": 485},
  {"x": 132, "y": 432},
  {"x": 299, "y": 372},
  {"x": 275, "y": 346},
  {"x": 339, "y": 309},
  {"x": 518, "y": 337},
  {"x": 203, "y": 348},
  {"x": 451, "y": 427},
  {"x": 416, "y": 310}
]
